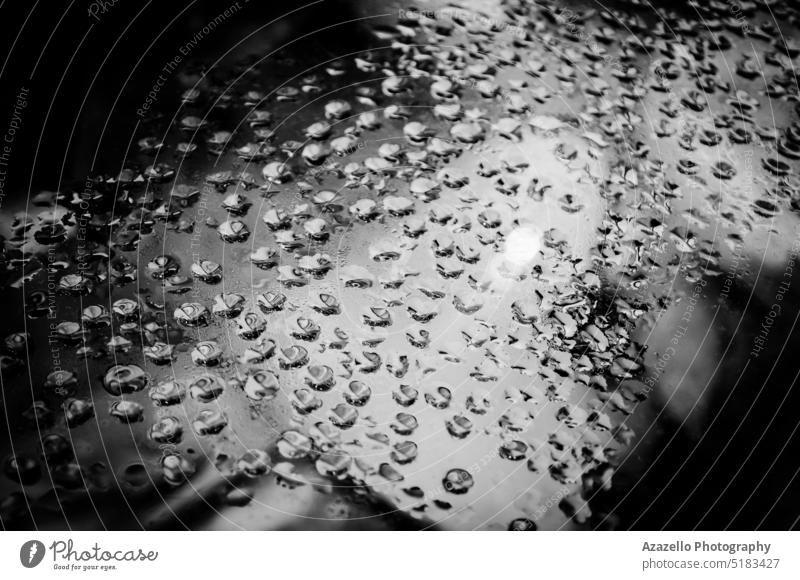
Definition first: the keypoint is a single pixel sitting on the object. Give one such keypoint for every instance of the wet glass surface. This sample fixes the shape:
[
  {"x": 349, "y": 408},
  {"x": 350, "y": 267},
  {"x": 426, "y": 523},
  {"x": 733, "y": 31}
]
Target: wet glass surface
[{"x": 509, "y": 265}]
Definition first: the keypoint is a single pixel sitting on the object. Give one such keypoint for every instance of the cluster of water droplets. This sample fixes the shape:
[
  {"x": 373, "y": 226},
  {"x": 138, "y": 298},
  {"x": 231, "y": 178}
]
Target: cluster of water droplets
[{"x": 422, "y": 285}]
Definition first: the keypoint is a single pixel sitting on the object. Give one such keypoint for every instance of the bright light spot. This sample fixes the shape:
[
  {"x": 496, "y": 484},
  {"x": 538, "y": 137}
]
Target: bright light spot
[
  {"x": 522, "y": 246},
  {"x": 515, "y": 261}
]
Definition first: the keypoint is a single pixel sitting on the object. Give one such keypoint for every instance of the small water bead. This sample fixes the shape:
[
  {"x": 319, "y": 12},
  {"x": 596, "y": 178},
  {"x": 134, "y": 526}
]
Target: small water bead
[
  {"x": 448, "y": 111},
  {"x": 126, "y": 309},
  {"x": 723, "y": 170},
  {"x": 398, "y": 206},
  {"x": 449, "y": 268},
  {"x": 162, "y": 267},
  {"x": 207, "y": 271},
  {"x": 526, "y": 310},
  {"x": 368, "y": 120},
  {"x": 94, "y": 316},
  {"x": 122, "y": 344},
  {"x": 167, "y": 430},
  {"x": 343, "y": 416},
  {"x": 22, "y": 469},
  {"x": 394, "y": 278},
  {"x": 276, "y": 172},
  {"x": 414, "y": 227},
  {"x": 765, "y": 208},
  {"x": 325, "y": 200},
  {"x": 422, "y": 309},
  {"x": 317, "y": 229},
  {"x": 467, "y": 132},
  {"x": 405, "y": 395},
  {"x": 254, "y": 463},
  {"x": 68, "y": 475},
  {"x": 444, "y": 90},
  {"x": 345, "y": 145},
  {"x": 127, "y": 411},
  {"x": 36, "y": 305},
  {"x": 442, "y": 147},
  {"x": 424, "y": 189},
  {"x": 306, "y": 329},
  {"x": 341, "y": 339},
  {"x": 439, "y": 397},
  {"x": 389, "y": 473},
  {"x": 320, "y": 377},
  {"x": 209, "y": 422},
  {"x": 121, "y": 379},
  {"x": 354, "y": 276},
  {"x": 294, "y": 445},
  {"x": 262, "y": 385},
  {"x": 159, "y": 172},
  {"x": 54, "y": 233},
  {"x": 337, "y": 109},
  {"x": 357, "y": 393},
  {"x": 389, "y": 153},
  {"x": 233, "y": 231},
  {"x": 228, "y": 305},
  {"x": 458, "y": 481},
  {"x": 397, "y": 364},
  {"x": 305, "y": 401},
  {"x": 77, "y": 411},
  {"x": 396, "y": 112},
  {"x": 522, "y": 525},
  {"x": 293, "y": 357},
  {"x": 397, "y": 290},
  {"x": 459, "y": 426},
  {"x": 276, "y": 219},
  {"x": 478, "y": 402},
  {"x": 490, "y": 218},
  {"x": 176, "y": 469},
  {"x": 384, "y": 250},
  {"x": 264, "y": 258},
  {"x": 206, "y": 353},
  {"x": 404, "y": 452},
  {"x": 250, "y": 325},
  {"x": 68, "y": 332},
  {"x": 75, "y": 285},
  {"x": 270, "y": 302},
  {"x": 789, "y": 148},
  {"x": 207, "y": 387},
  {"x": 63, "y": 382},
  {"x": 191, "y": 314},
  {"x": 168, "y": 393},
  {"x": 317, "y": 265},
  {"x": 291, "y": 277},
  {"x": 376, "y": 316},
  {"x": 440, "y": 214},
  {"x": 257, "y": 353},
  {"x": 318, "y": 130},
  {"x": 364, "y": 209},
  {"x": 158, "y": 353},
  {"x": 370, "y": 362},
  {"x": 326, "y": 304},
  {"x": 775, "y": 166},
  {"x": 468, "y": 253},
  {"x": 56, "y": 448},
  {"x": 334, "y": 463},
  {"x": 513, "y": 450},
  {"x": 315, "y": 153}
]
